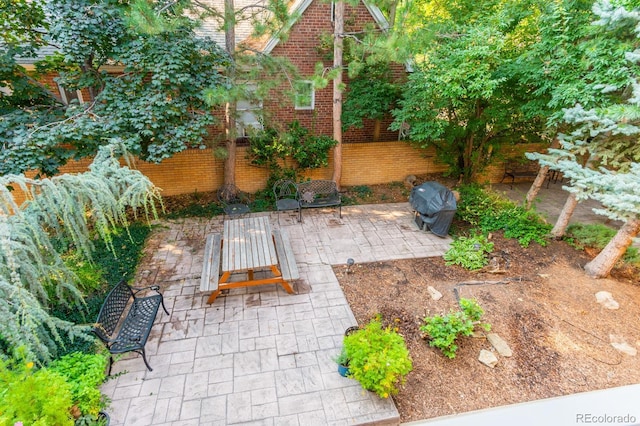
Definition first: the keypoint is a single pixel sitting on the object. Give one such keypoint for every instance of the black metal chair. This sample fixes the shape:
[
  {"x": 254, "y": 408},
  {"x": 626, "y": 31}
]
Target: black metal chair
[
  {"x": 234, "y": 202},
  {"x": 286, "y": 195}
]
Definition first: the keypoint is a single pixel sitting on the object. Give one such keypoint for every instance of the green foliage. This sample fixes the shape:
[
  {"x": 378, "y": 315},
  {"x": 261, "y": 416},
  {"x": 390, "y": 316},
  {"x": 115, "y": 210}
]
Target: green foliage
[
  {"x": 111, "y": 267},
  {"x": 370, "y": 95},
  {"x": 272, "y": 149},
  {"x": 378, "y": 358},
  {"x": 33, "y": 397},
  {"x": 491, "y": 212},
  {"x": 596, "y": 235},
  {"x": 167, "y": 75},
  {"x": 66, "y": 208},
  {"x": 445, "y": 330},
  {"x": 85, "y": 373},
  {"x": 469, "y": 252},
  {"x": 464, "y": 97}
]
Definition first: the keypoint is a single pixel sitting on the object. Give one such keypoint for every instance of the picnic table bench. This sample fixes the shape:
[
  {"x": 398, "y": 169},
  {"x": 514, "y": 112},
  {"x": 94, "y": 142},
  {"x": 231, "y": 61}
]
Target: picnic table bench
[
  {"x": 246, "y": 246},
  {"x": 319, "y": 193},
  {"x": 125, "y": 319}
]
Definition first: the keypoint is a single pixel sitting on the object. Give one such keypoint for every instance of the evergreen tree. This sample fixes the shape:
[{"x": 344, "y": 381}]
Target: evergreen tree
[
  {"x": 609, "y": 137},
  {"x": 71, "y": 207}
]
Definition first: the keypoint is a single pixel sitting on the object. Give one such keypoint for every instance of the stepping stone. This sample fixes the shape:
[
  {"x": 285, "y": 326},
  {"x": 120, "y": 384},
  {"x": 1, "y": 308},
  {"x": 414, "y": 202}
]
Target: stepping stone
[
  {"x": 499, "y": 344},
  {"x": 435, "y": 294},
  {"x": 621, "y": 345},
  {"x": 606, "y": 300},
  {"x": 488, "y": 358}
]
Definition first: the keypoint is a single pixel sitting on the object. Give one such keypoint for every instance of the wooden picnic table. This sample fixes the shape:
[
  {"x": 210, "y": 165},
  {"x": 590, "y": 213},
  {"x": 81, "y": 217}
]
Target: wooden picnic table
[{"x": 247, "y": 245}]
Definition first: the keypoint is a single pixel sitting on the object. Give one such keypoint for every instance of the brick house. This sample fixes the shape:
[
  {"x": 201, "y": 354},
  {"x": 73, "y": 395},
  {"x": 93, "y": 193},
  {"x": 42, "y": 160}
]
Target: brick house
[{"x": 302, "y": 48}]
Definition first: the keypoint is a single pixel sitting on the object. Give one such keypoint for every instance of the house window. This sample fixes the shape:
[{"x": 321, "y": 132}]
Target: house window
[
  {"x": 66, "y": 95},
  {"x": 249, "y": 117},
  {"x": 305, "y": 95}
]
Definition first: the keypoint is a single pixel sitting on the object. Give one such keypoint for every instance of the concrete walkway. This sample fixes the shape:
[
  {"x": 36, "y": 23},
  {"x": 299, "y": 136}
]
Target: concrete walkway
[{"x": 260, "y": 355}]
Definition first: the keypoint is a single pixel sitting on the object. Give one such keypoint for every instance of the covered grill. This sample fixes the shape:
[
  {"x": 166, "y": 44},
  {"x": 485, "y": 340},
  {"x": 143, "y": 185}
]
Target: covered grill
[{"x": 435, "y": 207}]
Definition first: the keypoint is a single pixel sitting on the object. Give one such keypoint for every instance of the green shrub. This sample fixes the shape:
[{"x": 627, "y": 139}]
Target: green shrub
[
  {"x": 492, "y": 212},
  {"x": 469, "y": 252},
  {"x": 85, "y": 373},
  {"x": 33, "y": 397},
  {"x": 378, "y": 358},
  {"x": 445, "y": 330}
]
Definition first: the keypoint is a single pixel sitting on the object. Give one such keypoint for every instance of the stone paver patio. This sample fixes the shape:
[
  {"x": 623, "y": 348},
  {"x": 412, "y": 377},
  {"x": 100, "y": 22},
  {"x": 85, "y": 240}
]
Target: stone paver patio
[{"x": 259, "y": 355}]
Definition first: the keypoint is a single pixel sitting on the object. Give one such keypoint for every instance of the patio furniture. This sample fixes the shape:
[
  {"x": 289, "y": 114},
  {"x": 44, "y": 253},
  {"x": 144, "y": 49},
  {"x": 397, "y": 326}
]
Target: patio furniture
[
  {"x": 246, "y": 246},
  {"x": 129, "y": 334},
  {"x": 434, "y": 206},
  {"x": 319, "y": 193},
  {"x": 234, "y": 202},
  {"x": 286, "y": 195},
  {"x": 516, "y": 169}
]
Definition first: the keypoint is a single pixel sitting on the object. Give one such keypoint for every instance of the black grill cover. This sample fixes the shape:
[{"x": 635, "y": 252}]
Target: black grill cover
[{"x": 435, "y": 207}]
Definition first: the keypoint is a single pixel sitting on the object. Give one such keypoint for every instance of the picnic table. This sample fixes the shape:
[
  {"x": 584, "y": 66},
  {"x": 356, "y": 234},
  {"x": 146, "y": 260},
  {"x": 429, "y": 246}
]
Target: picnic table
[{"x": 246, "y": 246}]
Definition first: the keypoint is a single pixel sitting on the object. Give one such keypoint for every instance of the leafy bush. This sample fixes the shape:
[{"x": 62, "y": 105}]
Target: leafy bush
[
  {"x": 469, "y": 252},
  {"x": 33, "y": 397},
  {"x": 85, "y": 373},
  {"x": 378, "y": 358},
  {"x": 491, "y": 212},
  {"x": 445, "y": 330}
]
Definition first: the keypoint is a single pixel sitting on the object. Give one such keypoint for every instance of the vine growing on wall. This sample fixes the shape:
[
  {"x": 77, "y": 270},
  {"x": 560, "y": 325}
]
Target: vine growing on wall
[{"x": 276, "y": 151}]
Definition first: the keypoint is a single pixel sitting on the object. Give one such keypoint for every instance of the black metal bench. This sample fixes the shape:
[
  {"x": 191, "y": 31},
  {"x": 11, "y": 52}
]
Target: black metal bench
[
  {"x": 131, "y": 333},
  {"x": 516, "y": 169},
  {"x": 319, "y": 193}
]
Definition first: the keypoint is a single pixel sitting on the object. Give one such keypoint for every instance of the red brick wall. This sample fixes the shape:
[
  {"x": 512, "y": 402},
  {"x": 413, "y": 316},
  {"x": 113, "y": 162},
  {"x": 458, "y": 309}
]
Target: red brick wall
[{"x": 301, "y": 48}]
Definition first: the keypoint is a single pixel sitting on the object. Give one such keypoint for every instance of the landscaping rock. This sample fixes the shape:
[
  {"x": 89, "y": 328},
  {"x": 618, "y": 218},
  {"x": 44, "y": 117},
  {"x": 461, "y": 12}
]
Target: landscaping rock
[
  {"x": 499, "y": 344},
  {"x": 488, "y": 358},
  {"x": 621, "y": 345},
  {"x": 606, "y": 300},
  {"x": 435, "y": 294}
]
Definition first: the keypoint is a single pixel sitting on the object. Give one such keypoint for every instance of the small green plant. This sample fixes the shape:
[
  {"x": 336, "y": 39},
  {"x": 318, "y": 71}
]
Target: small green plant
[
  {"x": 362, "y": 191},
  {"x": 469, "y": 252},
  {"x": 378, "y": 358},
  {"x": 85, "y": 373},
  {"x": 33, "y": 397},
  {"x": 444, "y": 330}
]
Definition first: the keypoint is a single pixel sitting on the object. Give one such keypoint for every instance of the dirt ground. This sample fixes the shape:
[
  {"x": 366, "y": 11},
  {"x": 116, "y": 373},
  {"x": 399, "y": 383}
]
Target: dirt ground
[{"x": 543, "y": 306}]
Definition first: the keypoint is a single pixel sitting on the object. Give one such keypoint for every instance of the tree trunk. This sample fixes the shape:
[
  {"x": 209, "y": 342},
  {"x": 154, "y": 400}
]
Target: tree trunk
[
  {"x": 566, "y": 213},
  {"x": 376, "y": 130},
  {"x": 602, "y": 264},
  {"x": 337, "y": 90},
  {"x": 536, "y": 185},
  {"x": 230, "y": 108}
]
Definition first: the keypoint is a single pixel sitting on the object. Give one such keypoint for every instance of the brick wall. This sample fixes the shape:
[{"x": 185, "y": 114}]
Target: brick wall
[{"x": 363, "y": 164}]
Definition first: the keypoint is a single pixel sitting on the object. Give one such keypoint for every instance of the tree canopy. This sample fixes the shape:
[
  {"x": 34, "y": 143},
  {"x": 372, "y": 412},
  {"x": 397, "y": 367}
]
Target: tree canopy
[
  {"x": 157, "y": 105},
  {"x": 465, "y": 97}
]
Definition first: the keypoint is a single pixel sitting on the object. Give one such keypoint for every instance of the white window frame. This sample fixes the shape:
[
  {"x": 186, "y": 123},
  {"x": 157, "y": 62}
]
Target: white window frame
[
  {"x": 66, "y": 96},
  {"x": 312, "y": 97},
  {"x": 248, "y": 114}
]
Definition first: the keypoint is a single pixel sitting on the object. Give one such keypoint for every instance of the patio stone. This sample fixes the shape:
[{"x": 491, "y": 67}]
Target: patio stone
[{"x": 259, "y": 355}]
